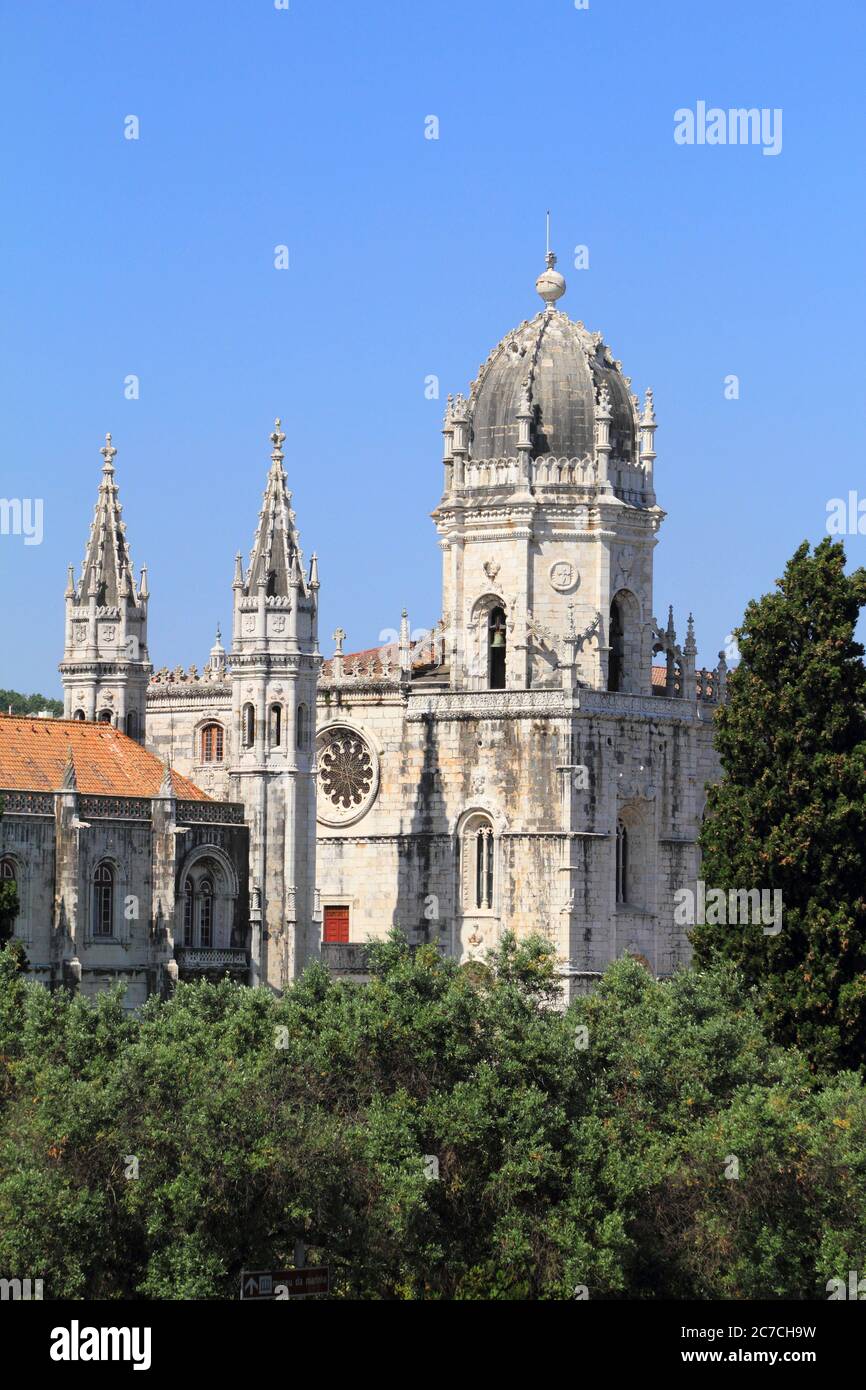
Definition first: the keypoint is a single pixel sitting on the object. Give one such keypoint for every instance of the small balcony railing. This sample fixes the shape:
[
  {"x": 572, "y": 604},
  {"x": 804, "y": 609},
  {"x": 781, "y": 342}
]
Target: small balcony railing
[
  {"x": 232, "y": 958},
  {"x": 345, "y": 957}
]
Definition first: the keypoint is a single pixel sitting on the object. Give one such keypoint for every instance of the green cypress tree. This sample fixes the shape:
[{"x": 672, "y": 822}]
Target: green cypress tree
[{"x": 790, "y": 812}]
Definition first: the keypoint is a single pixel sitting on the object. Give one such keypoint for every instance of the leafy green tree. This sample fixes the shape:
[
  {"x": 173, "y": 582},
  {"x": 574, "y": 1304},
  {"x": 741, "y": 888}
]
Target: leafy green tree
[
  {"x": 581, "y": 1148},
  {"x": 12, "y": 702},
  {"x": 790, "y": 812}
]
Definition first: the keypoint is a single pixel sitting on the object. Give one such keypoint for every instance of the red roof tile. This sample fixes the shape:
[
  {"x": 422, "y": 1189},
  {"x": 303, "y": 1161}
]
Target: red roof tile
[{"x": 33, "y": 754}]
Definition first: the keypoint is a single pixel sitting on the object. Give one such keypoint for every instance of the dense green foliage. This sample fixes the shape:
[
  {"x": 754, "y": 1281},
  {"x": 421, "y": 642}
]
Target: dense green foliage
[
  {"x": 12, "y": 702},
  {"x": 258, "y": 1121},
  {"x": 790, "y": 813}
]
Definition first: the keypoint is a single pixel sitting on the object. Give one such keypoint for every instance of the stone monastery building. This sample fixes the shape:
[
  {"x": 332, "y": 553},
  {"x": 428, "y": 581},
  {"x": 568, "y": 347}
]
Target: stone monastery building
[{"x": 539, "y": 761}]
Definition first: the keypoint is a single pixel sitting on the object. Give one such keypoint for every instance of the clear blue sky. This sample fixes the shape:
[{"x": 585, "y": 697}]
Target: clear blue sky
[{"x": 411, "y": 257}]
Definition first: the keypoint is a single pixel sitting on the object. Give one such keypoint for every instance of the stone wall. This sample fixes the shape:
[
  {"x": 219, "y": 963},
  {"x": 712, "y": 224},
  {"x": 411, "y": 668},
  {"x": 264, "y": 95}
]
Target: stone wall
[
  {"x": 553, "y": 776},
  {"x": 56, "y": 846}
]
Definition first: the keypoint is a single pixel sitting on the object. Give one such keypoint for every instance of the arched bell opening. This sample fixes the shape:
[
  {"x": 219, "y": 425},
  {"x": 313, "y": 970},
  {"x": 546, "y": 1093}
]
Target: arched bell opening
[
  {"x": 496, "y": 649},
  {"x": 616, "y": 660}
]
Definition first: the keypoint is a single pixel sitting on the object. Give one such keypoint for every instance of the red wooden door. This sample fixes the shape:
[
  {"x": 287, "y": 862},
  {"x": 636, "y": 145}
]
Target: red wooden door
[{"x": 336, "y": 924}]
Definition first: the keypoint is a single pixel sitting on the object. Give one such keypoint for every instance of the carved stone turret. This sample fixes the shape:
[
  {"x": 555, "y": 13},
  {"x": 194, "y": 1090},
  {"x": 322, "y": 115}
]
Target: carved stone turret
[
  {"x": 274, "y": 669},
  {"x": 105, "y": 668}
]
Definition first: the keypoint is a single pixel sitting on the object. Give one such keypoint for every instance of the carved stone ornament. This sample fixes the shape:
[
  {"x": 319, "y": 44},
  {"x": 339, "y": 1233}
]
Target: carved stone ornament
[
  {"x": 563, "y": 576},
  {"x": 348, "y": 775},
  {"x": 491, "y": 569},
  {"x": 625, "y": 563}
]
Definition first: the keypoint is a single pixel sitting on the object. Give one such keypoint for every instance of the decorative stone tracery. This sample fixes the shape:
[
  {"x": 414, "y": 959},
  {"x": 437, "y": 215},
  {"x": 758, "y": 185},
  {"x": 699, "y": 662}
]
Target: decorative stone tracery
[{"x": 348, "y": 775}]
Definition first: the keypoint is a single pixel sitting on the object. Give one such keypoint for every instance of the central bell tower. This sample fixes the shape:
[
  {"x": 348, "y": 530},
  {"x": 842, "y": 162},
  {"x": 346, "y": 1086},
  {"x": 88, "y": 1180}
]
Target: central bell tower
[{"x": 548, "y": 517}]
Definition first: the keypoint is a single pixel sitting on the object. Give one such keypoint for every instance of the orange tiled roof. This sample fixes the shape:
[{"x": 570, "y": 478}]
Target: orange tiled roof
[{"x": 33, "y": 754}]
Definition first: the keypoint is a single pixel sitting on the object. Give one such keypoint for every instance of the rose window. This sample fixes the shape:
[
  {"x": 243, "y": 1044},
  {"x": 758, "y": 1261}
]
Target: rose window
[{"x": 348, "y": 775}]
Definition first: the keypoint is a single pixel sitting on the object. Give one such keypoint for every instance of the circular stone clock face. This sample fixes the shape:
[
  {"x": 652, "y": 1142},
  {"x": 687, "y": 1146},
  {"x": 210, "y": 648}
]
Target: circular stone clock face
[
  {"x": 563, "y": 576},
  {"x": 348, "y": 775}
]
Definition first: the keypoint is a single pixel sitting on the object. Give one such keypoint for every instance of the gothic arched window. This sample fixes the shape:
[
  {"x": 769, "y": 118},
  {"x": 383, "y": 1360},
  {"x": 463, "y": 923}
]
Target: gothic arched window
[
  {"x": 9, "y": 875},
  {"x": 103, "y": 901},
  {"x": 479, "y": 849},
  {"x": 621, "y": 863},
  {"x": 248, "y": 725},
  {"x": 207, "y": 905},
  {"x": 212, "y": 743},
  {"x": 496, "y": 647},
  {"x": 188, "y": 907},
  {"x": 303, "y": 727},
  {"x": 79, "y": 714},
  {"x": 276, "y": 725},
  {"x": 617, "y": 647},
  {"x": 132, "y": 724},
  {"x": 105, "y": 716},
  {"x": 205, "y": 912}
]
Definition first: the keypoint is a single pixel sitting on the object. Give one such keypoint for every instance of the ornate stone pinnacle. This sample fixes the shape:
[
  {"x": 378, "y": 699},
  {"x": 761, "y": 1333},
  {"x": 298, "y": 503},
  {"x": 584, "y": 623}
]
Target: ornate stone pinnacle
[
  {"x": 108, "y": 451},
  {"x": 338, "y": 638},
  {"x": 70, "y": 783},
  {"x": 278, "y": 439}
]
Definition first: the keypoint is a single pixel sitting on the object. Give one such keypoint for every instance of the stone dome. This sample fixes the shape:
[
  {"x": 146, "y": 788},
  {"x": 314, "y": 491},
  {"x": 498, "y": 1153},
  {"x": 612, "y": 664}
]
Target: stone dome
[{"x": 563, "y": 366}]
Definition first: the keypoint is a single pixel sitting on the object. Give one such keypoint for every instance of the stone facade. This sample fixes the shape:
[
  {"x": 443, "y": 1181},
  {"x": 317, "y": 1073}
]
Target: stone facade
[
  {"x": 529, "y": 767},
  {"x": 537, "y": 761},
  {"x": 108, "y": 885}
]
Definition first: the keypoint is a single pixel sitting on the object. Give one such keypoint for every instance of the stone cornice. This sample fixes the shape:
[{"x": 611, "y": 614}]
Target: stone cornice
[
  {"x": 178, "y": 697},
  {"x": 364, "y": 686},
  {"x": 101, "y": 666},
  {"x": 620, "y": 706},
  {"x": 489, "y": 704}
]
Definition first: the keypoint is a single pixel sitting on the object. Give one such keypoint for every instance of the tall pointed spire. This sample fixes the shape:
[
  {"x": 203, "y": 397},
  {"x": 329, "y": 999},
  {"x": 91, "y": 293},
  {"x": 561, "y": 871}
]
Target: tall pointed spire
[
  {"x": 105, "y": 666},
  {"x": 274, "y": 666},
  {"x": 276, "y": 549},
  {"x": 106, "y": 558}
]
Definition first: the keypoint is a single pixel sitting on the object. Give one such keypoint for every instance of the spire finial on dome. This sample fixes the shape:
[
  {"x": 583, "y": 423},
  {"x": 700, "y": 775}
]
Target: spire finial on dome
[{"x": 550, "y": 284}]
